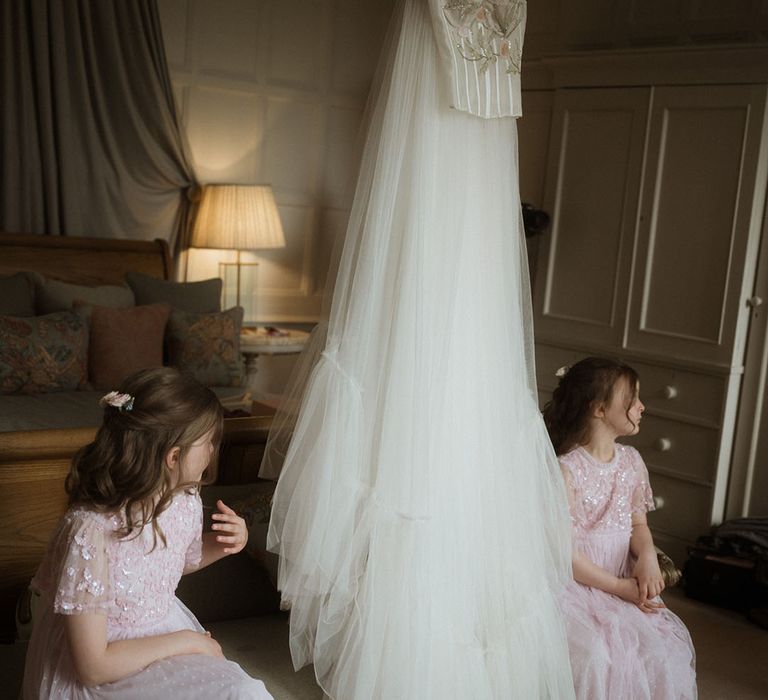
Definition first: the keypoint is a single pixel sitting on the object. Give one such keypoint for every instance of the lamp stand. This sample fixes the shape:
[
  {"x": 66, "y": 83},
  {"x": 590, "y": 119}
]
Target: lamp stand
[{"x": 240, "y": 269}]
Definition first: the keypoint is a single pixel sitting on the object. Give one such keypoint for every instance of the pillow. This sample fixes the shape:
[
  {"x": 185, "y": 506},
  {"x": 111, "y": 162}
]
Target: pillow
[
  {"x": 17, "y": 295},
  {"x": 53, "y": 295},
  {"x": 43, "y": 353},
  {"x": 123, "y": 341},
  {"x": 207, "y": 346},
  {"x": 195, "y": 297}
]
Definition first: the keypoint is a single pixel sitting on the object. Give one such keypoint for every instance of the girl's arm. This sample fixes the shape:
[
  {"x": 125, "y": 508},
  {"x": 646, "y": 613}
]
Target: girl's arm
[
  {"x": 646, "y": 570},
  {"x": 229, "y": 535},
  {"x": 97, "y": 661},
  {"x": 590, "y": 574}
]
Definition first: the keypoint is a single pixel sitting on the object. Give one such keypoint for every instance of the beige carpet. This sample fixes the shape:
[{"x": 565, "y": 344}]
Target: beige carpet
[{"x": 732, "y": 654}]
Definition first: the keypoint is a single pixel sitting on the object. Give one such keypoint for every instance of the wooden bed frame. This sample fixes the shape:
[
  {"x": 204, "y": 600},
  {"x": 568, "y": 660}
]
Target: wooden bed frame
[{"x": 34, "y": 463}]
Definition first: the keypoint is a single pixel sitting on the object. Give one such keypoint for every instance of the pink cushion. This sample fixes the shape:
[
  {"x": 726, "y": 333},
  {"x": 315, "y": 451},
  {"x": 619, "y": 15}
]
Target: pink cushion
[{"x": 123, "y": 341}]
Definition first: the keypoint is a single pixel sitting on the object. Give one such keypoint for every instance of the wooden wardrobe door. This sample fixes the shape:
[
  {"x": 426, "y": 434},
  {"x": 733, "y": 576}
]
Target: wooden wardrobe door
[
  {"x": 594, "y": 170},
  {"x": 699, "y": 225}
]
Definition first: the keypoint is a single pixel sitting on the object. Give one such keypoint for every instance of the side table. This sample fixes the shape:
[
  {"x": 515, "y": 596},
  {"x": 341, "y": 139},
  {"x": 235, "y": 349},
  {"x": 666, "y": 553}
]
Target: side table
[
  {"x": 266, "y": 341},
  {"x": 243, "y": 443}
]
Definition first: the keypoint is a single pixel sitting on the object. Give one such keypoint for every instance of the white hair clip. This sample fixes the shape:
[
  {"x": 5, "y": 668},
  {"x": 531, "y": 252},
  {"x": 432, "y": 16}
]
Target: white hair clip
[
  {"x": 123, "y": 402},
  {"x": 562, "y": 371}
]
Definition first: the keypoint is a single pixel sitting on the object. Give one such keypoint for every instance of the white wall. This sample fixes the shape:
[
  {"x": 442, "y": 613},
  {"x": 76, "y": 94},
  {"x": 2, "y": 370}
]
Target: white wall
[{"x": 273, "y": 92}]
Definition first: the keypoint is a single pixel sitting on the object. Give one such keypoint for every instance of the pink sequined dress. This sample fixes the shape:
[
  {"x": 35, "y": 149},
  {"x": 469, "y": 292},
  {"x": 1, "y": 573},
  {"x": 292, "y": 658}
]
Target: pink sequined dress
[
  {"x": 617, "y": 651},
  {"x": 87, "y": 569}
]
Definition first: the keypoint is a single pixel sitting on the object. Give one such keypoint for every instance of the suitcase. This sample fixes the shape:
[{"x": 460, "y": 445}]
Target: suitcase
[
  {"x": 729, "y": 568},
  {"x": 725, "y": 581}
]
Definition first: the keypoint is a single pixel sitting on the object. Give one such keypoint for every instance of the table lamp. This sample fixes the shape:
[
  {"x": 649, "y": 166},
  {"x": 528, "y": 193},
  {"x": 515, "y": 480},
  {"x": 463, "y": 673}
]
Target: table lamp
[{"x": 237, "y": 217}]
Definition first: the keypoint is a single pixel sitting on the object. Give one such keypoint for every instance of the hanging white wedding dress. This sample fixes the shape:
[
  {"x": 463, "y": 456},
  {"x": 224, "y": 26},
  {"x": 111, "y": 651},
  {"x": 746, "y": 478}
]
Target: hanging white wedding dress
[{"x": 420, "y": 515}]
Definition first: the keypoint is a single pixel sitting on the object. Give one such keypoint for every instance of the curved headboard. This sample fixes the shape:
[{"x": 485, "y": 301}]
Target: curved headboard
[{"x": 79, "y": 260}]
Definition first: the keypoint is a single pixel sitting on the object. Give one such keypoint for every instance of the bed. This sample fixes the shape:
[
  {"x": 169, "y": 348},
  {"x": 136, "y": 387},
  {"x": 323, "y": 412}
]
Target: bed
[{"x": 34, "y": 457}]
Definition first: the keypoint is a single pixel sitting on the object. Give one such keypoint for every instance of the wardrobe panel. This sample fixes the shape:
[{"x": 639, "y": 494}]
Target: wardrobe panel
[
  {"x": 533, "y": 142},
  {"x": 692, "y": 229},
  {"x": 697, "y": 221},
  {"x": 682, "y": 395},
  {"x": 679, "y": 449},
  {"x": 682, "y": 508},
  {"x": 591, "y": 192}
]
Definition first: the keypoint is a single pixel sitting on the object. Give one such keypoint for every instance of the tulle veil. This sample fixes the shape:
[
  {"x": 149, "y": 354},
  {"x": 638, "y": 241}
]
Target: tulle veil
[{"x": 420, "y": 516}]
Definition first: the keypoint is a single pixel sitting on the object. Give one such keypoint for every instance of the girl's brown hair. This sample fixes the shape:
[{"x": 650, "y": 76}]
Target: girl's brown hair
[
  {"x": 589, "y": 382},
  {"x": 124, "y": 468}
]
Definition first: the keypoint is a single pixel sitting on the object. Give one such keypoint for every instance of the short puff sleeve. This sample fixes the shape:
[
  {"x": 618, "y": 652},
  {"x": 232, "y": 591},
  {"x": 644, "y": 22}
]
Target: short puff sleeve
[
  {"x": 194, "y": 553},
  {"x": 641, "y": 496},
  {"x": 575, "y": 504},
  {"x": 83, "y": 579}
]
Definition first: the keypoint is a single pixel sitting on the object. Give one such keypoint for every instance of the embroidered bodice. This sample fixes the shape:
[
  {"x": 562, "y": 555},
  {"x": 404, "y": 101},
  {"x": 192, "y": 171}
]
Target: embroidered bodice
[
  {"x": 603, "y": 496},
  {"x": 87, "y": 568},
  {"x": 481, "y": 45}
]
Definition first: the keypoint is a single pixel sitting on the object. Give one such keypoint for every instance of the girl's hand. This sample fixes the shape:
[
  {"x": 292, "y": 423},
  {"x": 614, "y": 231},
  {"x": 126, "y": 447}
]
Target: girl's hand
[
  {"x": 201, "y": 643},
  {"x": 648, "y": 575},
  {"x": 232, "y": 526},
  {"x": 628, "y": 589}
]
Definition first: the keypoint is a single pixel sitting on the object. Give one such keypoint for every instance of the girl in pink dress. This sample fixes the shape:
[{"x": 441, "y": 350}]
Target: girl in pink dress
[
  {"x": 109, "y": 623},
  {"x": 624, "y": 643}
]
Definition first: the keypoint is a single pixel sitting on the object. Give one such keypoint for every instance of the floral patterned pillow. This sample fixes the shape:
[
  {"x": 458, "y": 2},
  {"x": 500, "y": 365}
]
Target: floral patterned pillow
[
  {"x": 207, "y": 345},
  {"x": 43, "y": 353}
]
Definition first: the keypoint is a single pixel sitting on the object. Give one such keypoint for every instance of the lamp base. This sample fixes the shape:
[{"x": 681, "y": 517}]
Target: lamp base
[{"x": 239, "y": 287}]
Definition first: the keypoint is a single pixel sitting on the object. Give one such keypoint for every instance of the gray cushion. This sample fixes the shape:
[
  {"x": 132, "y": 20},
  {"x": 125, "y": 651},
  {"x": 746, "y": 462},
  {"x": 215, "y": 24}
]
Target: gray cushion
[
  {"x": 17, "y": 295},
  {"x": 195, "y": 297},
  {"x": 53, "y": 295}
]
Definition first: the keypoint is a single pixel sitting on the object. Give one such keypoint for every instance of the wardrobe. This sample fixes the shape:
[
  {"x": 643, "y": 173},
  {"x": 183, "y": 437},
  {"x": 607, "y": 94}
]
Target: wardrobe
[{"x": 653, "y": 166}]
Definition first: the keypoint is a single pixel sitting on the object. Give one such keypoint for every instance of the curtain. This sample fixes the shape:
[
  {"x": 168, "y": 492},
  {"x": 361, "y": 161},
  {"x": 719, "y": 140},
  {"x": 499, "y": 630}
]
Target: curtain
[{"x": 91, "y": 143}]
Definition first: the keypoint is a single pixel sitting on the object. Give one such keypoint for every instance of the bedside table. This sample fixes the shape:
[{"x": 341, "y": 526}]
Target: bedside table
[{"x": 259, "y": 341}]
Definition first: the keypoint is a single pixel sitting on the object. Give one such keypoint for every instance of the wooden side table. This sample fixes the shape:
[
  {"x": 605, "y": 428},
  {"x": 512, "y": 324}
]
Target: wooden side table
[
  {"x": 260, "y": 341},
  {"x": 243, "y": 443}
]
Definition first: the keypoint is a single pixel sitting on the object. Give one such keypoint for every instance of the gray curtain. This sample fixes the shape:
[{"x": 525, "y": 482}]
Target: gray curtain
[{"x": 91, "y": 143}]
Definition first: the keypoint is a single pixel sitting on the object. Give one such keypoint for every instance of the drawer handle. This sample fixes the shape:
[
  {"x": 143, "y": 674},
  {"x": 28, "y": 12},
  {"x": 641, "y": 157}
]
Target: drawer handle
[
  {"x": 669, "y": 392},
  {"x": 658, "y": 502},
  {"x": 663, "y": 444}
]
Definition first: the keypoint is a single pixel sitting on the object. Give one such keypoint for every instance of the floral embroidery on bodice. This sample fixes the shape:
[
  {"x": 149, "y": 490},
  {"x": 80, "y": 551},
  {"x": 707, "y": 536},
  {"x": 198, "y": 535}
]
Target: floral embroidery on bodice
[
  {"x": 480, "y": 47},
  {"x": 603, "y": 496},
  {"x": 488, "y": 30},
  {"x": 88, "y": 568}
]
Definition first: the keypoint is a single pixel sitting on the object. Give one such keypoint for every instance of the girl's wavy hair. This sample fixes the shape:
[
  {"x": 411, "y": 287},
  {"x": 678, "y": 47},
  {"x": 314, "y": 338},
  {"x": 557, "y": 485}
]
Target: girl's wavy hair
[
  {"x": 124, "y": 468},
  {"x": 589, "y": 382}
]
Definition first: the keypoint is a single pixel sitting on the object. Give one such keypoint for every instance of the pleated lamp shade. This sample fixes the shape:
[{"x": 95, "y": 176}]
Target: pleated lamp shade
[{"x": 237, "y": 217}]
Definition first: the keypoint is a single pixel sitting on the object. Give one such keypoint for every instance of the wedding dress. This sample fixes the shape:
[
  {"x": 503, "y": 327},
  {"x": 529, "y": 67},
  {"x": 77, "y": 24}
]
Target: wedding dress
[{"x": 420, "y": 515}]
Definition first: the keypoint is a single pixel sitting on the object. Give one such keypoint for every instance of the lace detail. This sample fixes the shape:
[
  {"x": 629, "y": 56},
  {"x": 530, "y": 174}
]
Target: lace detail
[{"x": 486, "y": 31}]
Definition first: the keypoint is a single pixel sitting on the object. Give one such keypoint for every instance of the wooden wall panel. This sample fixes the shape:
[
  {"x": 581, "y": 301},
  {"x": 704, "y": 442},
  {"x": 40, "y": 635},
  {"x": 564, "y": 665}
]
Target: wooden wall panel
[{"x": 273, "y": 93}]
